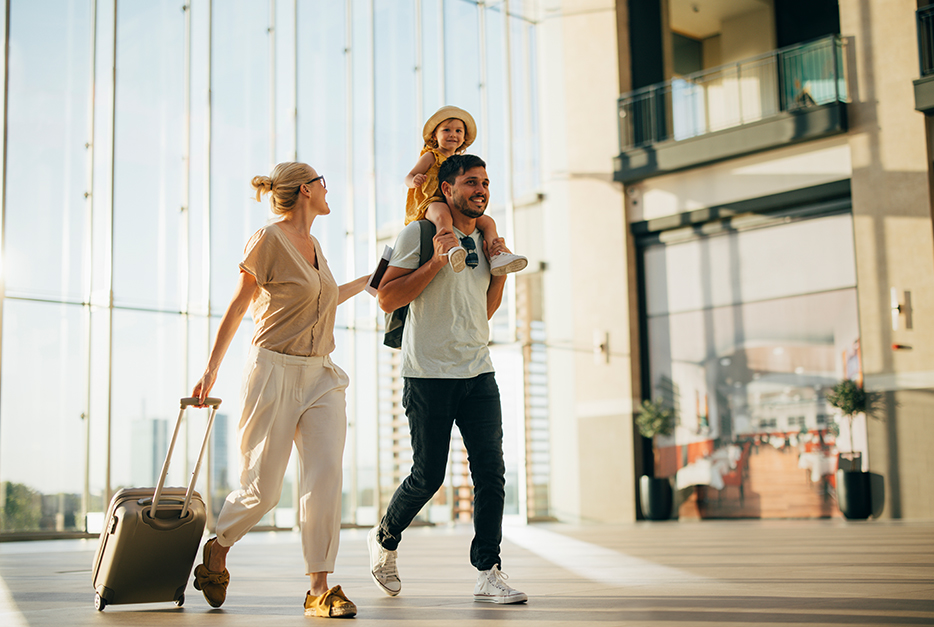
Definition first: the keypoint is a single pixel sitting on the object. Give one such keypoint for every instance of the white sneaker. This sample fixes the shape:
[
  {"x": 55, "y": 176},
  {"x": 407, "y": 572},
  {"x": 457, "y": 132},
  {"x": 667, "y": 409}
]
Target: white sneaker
[
  {"x": 491, "y": 588},
  {"x": 504, "y": 263},
  {"x": 457, "y": 257},
  {"x": 383, "y": 565}
]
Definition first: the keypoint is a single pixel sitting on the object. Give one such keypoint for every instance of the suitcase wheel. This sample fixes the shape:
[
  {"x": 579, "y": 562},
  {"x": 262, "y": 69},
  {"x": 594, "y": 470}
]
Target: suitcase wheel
[
  {"x": 99, "y": 602},
  {"x": 180, "y": 601}
]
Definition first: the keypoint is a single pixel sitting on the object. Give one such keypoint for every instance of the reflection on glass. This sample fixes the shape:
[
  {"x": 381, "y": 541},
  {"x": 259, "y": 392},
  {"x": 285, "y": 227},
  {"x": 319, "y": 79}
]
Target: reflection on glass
[
  {"x": 747, "y": 380},
  {"x": 43, "y": 428}
]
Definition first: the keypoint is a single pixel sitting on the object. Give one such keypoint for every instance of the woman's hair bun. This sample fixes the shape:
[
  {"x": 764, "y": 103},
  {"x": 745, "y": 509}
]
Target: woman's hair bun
[{"x": 262, "y": 184}]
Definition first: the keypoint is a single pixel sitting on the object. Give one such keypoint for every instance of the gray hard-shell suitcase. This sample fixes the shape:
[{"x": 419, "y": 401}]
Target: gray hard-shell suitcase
[{"x": 151, "y": 535}]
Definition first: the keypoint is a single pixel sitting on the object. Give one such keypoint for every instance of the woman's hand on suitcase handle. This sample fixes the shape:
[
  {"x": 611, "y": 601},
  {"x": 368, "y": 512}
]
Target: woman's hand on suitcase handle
[{"x": 203, "y": 387}]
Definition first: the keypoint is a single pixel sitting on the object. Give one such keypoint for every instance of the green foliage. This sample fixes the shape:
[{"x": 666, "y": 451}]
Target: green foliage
[
  {"x": 849, "y": 397},
  {"x": 22, "y": 508},
  {"x": 655, "y": 419}
]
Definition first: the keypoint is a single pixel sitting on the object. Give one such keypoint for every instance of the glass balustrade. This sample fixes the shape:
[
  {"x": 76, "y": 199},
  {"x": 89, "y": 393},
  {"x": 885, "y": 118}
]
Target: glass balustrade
[{"x": 787, "y": 79}]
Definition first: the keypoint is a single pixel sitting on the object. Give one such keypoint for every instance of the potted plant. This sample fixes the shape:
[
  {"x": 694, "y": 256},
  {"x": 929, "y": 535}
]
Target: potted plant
[
  {"x": 655, "y": 494},
  {"x": 854, "y": 496}
]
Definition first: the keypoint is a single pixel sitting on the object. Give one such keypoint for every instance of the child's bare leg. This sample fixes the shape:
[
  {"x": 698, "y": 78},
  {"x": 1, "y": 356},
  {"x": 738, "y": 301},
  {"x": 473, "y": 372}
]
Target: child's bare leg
[
  {"x": 439, "y": 214},
  {"x": 488, "y": 225},
  {"x": 504, "y": 262}
]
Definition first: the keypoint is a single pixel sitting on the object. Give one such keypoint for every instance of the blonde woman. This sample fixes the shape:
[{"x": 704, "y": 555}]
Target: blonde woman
[{"x": 292, "y": 391}]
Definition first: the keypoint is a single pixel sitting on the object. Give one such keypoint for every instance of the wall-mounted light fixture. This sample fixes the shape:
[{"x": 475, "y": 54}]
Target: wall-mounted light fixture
[
  {"x": 601, "y": 346},
  {"x": 901, "y": 309}
]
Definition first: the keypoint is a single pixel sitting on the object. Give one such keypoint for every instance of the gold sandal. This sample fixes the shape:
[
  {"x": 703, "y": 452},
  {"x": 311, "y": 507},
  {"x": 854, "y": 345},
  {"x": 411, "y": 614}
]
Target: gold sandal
[
  {"x": 331, "y": 604},
  {"x": 212, "y": 583}
]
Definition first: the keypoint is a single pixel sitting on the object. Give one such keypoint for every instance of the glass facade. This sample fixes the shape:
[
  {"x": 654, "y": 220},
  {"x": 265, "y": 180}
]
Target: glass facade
[{"x": 132, "y": 132}]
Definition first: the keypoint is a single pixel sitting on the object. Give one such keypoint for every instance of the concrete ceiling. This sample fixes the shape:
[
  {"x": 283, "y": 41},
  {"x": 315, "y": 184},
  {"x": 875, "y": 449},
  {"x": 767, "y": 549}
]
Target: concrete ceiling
[{"x": 702, "y": 18}]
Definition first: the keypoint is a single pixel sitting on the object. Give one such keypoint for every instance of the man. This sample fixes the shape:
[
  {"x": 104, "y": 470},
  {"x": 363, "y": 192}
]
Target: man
[{"x": 448, "y": 378}]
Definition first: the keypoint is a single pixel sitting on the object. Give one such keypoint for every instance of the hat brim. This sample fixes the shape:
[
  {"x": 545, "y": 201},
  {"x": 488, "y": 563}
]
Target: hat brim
[{"x": 447, "y": 113}]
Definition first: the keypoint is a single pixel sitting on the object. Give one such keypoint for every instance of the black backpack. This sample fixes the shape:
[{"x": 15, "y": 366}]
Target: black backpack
[{"x": 395, "y": 321}]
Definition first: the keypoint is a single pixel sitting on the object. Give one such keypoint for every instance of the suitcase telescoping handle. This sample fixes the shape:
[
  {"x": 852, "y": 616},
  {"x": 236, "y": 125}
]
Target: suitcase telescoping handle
[{"x": 213, "y": 403}]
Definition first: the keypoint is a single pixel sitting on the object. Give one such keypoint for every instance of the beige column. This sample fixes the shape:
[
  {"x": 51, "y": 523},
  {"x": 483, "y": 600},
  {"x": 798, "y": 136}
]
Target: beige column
[
  {"x": 586, "y": 286},
  {"x": 894, "y": 247}
]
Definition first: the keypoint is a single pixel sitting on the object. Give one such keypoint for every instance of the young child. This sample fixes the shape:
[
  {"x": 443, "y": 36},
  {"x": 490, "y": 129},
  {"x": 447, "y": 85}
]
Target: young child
[{"x": 449, "y": 131}]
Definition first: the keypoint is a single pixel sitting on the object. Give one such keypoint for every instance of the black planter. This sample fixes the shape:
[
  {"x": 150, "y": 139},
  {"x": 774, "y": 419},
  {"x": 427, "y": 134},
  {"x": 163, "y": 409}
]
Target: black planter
[
  {"x": 854, "y": 495},
  {"x": 655, "y": 496}
]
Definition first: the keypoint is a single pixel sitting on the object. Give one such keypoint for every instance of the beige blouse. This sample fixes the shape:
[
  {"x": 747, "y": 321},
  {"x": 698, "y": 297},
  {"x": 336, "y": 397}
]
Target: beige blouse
[{"x": 295, "y": 306}]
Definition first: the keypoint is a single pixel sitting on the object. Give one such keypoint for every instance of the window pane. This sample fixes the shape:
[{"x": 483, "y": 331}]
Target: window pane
[
  {"x": 322, "y": 120},
  {"x": 239, "y": 136},
  {"x": 198, "y": 158},
  {"x": 462, "y": 61},
  {"x": 495, "y": 151},
  {"x": 286, "y": 30},
  {"x": 148, "y": 154},
  {"x": 432, "y": 72},
  {"x": 46, "y": 162},
  {"x": 102, "y": 194},
  {"x": 42, "y": 434},
  {"x": 363, "y": 140},
  {"x": 148, "y": 361},
  {"x": 525, "y": 134},
  {"x": 398, "y": 133}
]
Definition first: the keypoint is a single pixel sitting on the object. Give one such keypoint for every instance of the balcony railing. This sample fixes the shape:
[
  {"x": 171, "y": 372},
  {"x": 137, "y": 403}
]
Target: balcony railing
[
  {"x": 926, "y": 39},
  {"x": 786, "y": 79}
]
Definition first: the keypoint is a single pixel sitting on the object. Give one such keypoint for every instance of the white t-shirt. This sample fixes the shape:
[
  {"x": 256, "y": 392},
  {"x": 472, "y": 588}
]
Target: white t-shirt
[{"x": 447, "y": 330}]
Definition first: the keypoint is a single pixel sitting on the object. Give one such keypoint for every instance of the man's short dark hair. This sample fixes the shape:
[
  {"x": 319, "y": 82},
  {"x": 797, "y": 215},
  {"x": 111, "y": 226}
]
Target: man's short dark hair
[{"x": 455, "y": 165}]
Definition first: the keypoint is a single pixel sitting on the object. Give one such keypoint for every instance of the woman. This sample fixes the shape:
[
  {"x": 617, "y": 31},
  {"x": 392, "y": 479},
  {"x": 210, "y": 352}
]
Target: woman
[{"x": 292, "y": 391}]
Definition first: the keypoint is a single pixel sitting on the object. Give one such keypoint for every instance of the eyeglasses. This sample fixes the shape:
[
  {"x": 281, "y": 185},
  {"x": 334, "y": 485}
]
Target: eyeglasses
[
  {"x": 471, "y": 247},
  {"x": 318, "y": 178}
]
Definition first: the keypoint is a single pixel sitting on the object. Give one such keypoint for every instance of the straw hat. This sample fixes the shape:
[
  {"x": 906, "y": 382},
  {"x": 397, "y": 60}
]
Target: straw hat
[{"x": 446, "y": 113}]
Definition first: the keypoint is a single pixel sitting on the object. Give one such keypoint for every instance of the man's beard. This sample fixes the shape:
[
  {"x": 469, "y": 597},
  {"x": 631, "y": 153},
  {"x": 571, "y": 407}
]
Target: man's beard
[{"x": 465, "y": 207}]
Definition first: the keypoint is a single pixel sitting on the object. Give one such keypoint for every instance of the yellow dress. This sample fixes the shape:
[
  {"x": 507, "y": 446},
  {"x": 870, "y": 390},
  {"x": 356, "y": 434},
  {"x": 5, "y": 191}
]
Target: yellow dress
[{"x": 415, "y": 200}]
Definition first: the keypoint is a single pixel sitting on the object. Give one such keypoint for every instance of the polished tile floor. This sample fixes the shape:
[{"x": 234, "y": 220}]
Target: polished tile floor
[{"x": 794, "y": 572}]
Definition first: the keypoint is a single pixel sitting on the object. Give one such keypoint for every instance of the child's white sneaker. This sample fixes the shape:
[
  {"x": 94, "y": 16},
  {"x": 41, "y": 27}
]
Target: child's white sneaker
[
  {"x": 491, "y": 588},
  {"x": 457, "y": 257},
  {"x": 504, "y": 263}
]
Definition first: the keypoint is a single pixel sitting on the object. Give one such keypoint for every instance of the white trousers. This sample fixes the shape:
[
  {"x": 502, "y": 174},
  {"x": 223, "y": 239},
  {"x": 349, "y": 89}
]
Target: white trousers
[{"x": 288, "y": 399}]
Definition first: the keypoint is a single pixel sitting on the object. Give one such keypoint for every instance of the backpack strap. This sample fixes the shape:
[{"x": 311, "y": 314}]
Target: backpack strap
[
  {"x": 395, "y": 321},
  {"x": 427, "y": 248}
]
